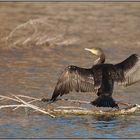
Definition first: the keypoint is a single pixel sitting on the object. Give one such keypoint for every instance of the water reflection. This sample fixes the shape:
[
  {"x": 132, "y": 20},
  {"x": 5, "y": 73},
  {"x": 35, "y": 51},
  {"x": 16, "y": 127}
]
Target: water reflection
[{"x": 41, "y": 126}]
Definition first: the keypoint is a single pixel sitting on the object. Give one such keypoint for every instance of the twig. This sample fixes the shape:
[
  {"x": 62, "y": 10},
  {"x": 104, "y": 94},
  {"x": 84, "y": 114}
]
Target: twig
[
  {"x": 9, "y": 98},
  {"x": 25, "y": 96},
  {"x": 122, "y": 103},
  {"x": 34, "y": 107},
  {"x": 27, "y": 102},
  {"x": 7, "y": 106},
  {"x": 16, "y": 107}
]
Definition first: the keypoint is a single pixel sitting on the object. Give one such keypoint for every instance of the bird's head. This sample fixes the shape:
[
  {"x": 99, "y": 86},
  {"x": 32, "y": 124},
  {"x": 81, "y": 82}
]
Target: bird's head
[{"x": 95, "y": 51}]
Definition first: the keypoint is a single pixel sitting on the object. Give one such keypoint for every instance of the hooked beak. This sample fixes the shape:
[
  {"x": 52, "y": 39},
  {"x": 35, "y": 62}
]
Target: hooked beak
[
  {"x": 93, "y": 51},
  {"x": 87, "y": 49}
]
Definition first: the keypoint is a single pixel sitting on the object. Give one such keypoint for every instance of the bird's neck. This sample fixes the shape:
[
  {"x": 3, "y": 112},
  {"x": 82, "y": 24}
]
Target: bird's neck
[{"x": 100, "y": 60}]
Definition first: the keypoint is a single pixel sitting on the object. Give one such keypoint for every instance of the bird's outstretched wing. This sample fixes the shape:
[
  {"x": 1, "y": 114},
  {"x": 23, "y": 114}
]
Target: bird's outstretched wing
[
  {"x": 128, "y": 71},
  {"x": 75, "y": 79}
]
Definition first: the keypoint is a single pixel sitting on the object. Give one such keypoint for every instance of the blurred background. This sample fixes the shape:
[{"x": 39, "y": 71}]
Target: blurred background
[{"x": 38, "y": 40}]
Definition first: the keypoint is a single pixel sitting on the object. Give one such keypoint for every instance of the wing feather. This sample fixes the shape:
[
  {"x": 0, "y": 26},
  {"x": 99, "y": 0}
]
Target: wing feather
[
  {"x": 128, "y": 71},
  {"x": 75, "y": 79}
]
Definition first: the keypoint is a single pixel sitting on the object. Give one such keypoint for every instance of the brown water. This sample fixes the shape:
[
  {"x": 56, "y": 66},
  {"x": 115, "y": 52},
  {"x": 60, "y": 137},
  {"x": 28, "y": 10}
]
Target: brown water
[{"x": 42, "y": 39}]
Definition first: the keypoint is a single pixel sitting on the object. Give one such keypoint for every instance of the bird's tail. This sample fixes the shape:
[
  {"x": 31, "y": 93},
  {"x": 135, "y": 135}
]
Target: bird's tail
[{"x": 104, "y": 101}]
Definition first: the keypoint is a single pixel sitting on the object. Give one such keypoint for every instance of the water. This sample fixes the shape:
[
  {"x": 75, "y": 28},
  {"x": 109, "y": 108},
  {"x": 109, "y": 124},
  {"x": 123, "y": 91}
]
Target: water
[
  {"x": 36, "y": 52},
  {"x": 70, "y": 127}
]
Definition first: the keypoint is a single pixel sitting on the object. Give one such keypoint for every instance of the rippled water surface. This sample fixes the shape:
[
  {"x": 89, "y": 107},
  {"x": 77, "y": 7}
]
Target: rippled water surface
[{"x": 38, "y": 40}]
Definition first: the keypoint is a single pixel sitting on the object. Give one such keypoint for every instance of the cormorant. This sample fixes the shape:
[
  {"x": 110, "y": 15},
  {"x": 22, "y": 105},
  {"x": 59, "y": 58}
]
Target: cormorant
[{"x": 99, "y": 78}]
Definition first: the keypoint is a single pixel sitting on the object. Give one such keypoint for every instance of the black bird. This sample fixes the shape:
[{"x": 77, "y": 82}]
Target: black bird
[{"x": 99, "y": 78}]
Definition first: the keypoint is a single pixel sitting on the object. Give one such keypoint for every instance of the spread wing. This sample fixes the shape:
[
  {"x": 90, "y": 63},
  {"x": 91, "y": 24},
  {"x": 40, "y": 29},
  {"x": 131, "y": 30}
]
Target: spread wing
[
  {"x": 75, "y": 79},
  {"x": 128, "y": 71}
]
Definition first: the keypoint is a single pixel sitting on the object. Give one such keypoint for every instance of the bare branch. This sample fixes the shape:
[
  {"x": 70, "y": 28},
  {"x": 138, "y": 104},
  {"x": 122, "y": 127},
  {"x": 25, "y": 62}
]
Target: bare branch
[
  {"x": 27, "y": 102},
  {"x": 9, "y": 98},
  {"x": 34, "y": 107},
  {"x": 9, "y": 106},
  {"x": 25, "y": 96}
]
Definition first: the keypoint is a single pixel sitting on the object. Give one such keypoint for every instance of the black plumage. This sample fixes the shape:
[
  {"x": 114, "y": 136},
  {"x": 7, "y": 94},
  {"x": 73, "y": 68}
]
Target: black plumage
[{"x": 99, "y": 79}]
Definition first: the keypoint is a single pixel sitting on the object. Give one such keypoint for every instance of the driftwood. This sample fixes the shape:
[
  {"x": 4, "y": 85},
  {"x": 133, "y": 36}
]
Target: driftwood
[
  {"x": 27, "y": 102},
  {"x": 72, "y": 110},
  {"x": 84, "y": 111}
]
